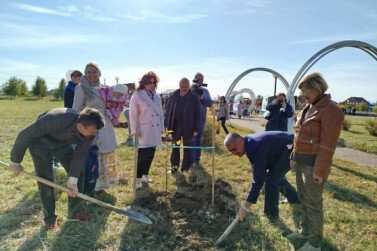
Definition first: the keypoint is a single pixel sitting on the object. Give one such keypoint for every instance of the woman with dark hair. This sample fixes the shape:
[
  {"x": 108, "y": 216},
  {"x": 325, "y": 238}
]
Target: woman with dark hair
[
  {"x": 151, "y": 124},
  {"x": 87, "y": 94},
  {"x": 223, "y": 113},
  {"x": 317, "y": 131}
]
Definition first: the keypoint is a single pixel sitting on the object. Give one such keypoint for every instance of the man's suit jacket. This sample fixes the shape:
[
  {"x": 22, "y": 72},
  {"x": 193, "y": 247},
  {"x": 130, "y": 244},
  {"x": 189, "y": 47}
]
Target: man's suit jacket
[{"x": 54, "y": 133}]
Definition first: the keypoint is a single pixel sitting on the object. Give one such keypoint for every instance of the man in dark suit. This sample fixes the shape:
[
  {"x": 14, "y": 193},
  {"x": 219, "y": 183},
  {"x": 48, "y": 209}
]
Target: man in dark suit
[{"x": 67, "y": 136}]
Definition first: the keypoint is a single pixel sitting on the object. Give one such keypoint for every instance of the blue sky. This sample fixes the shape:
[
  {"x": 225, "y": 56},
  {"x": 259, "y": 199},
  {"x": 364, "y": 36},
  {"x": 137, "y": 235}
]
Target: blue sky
[{"x": 177, "y": 38}]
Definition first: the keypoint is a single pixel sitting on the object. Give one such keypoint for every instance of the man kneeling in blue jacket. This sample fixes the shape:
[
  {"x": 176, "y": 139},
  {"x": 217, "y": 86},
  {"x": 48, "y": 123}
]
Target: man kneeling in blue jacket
[{"x": 268, "y": 152}]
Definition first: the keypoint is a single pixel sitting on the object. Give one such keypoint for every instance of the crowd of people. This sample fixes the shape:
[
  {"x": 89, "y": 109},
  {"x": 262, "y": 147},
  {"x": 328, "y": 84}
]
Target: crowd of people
[{"x": 81, "y": 137}]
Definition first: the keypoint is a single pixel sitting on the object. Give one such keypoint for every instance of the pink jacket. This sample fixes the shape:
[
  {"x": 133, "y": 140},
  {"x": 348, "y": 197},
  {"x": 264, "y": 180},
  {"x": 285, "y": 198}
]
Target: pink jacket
[{"x": 113, "y": 108}]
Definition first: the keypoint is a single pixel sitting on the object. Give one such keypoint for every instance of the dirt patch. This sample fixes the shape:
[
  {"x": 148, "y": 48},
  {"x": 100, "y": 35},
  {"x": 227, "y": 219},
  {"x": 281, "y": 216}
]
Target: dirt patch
[{"x": 186, "y": 220}]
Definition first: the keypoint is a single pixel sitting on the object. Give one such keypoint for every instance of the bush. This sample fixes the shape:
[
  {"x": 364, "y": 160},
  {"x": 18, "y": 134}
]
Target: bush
[
  {"x": 346, "y": 125},
  {"x": 371, "y": 126}
]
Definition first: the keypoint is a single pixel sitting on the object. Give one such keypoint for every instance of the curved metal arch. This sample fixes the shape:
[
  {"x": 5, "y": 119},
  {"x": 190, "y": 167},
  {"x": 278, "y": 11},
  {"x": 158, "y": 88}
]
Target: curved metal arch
[
  {"x": 369, "y": 49},
  {"x": 250, "y": 92},
  {"x": 243, "y": 74}
]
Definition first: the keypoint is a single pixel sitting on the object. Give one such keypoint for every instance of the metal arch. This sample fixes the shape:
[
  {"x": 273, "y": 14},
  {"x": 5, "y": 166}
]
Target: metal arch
[
  {"x": 369, "y": 49},
  {"x": 250, "y": 92},
  {"x": 243, "y": 74}
]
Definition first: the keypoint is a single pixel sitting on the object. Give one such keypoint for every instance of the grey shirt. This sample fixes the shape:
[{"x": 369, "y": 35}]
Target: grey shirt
[{"x": 54, "y": 132}]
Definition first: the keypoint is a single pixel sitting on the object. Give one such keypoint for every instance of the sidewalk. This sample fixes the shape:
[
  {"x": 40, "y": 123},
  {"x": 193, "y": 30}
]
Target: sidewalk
[{"x": 258, "y": 122}]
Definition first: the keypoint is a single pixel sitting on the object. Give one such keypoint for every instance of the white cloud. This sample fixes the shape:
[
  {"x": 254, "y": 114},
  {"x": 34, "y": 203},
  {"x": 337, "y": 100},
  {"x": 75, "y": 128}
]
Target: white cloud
[
  {"x": 70, "y": 8},
  {"x": 31, "y": 37},
  {"x": 158, "y": 17},
  {"x": 37, "y": 9}
]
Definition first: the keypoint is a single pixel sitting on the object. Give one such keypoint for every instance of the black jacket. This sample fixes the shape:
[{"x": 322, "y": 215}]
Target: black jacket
[{"x": 191, "y": 113}]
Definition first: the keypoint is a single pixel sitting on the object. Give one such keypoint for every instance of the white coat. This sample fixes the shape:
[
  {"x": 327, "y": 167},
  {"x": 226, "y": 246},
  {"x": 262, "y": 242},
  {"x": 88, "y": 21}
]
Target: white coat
[{"x": 151, "y": 120}]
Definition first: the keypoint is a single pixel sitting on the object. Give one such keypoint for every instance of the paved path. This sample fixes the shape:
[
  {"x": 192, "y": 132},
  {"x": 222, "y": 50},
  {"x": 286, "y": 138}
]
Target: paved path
[{"x": 257, "y": 123}]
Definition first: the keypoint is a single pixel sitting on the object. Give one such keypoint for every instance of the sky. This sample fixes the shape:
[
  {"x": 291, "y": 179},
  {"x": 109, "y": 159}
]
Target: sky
[{"x": 177, "y": 38}]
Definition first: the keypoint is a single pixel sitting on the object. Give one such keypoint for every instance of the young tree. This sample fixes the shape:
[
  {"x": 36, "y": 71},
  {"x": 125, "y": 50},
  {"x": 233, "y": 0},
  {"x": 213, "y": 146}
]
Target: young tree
[
  {"x": 363, "y": 107},
  {"x": 39, "y": 89},
  {"x": 58, "y": 93},
  {"x": 23, "y": 91},
  {"x": 259, "y": 100},
  {"x": 11, "y": 87}
]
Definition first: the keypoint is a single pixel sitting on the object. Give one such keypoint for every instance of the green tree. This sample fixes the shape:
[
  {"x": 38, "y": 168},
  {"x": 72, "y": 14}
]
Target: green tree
[
  {"x": 363, "y": 107},
  {"x": 58, "y": 93},
  {"x": 23, "y": 90},
  {"x": 11, "y": 87},
  {"x": 39, "y": 89}
]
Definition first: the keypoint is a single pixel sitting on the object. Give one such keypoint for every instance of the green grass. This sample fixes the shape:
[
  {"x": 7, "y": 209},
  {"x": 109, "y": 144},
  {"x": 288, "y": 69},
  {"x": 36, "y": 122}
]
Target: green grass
[
  {"x": 357, "y": 137},
  {"x": 350, "y": 203}
]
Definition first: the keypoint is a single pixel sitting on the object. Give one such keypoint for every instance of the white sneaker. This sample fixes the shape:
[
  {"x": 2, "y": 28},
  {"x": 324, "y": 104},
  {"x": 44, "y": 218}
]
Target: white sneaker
[
  {"x": 308, "y": 247},
  {"x": 138, "y": 184},
  {"x": 296, "y": 236},
  {"x": 146, "y": 179}
]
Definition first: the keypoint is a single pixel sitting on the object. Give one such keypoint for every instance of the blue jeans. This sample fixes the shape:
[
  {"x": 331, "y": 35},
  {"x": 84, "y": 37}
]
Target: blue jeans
[{"x": 197, "y": 141}]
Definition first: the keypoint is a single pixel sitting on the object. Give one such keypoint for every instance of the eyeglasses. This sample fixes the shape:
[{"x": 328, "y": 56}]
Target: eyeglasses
[{"x": 303, "y": 92}]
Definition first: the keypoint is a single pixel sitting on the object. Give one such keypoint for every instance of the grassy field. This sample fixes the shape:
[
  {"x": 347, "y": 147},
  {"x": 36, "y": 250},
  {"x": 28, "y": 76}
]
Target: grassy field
[
  {"x": 357, "y": 137},
  {"x": 183, "y": 217}
]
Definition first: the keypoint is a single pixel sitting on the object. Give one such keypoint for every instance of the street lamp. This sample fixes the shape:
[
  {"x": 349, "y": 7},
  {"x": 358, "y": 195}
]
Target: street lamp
[
  {"x": 275, "y": 83},
  {"x": 117, "y": 79}
]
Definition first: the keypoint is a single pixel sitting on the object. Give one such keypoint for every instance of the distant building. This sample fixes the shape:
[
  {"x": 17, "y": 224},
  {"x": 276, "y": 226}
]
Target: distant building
[{"x": 354, "y": 101}]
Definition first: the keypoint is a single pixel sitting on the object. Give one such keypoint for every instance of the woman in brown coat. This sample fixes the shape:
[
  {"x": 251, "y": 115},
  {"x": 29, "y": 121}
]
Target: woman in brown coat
[{"x": 317, "y": 131}]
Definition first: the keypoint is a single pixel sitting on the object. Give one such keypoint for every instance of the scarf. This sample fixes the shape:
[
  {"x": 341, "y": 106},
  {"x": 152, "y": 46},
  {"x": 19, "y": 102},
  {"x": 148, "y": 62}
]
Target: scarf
[{"x": 88, "y": 87}]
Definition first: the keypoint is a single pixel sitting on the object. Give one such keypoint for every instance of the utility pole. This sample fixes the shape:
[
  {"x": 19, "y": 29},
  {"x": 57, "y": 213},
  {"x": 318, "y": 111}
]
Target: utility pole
[{"x": 275, "y": 84}]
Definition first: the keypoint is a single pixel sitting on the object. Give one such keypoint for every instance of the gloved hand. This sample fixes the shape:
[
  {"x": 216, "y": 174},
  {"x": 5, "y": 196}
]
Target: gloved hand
[{"x": 16, "y": 168}]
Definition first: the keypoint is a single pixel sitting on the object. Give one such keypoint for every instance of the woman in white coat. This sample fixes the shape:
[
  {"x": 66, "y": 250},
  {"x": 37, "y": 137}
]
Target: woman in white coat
[{"x": 151, "y": 124}]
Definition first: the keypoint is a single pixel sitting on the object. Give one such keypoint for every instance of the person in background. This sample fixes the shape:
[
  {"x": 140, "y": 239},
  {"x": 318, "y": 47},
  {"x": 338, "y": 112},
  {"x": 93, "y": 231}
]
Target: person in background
[
  {"x": 205, "y": 101},
  {"x": 183, "y": 118},
  {"x": 268, "y": 152},
  {"x": 67, "y": 135},
  {"x": 318, "y": 128},
  {"x": 151, "y": 124},
  {"x": 88, "y": 94},
  {"x": 115, "y": 98},
  {"x": 69, "y": 90},
  {"x": 239, "y": 109},
  {"x": 280, "y": 110},
  {"x": 223, "y": 113}
]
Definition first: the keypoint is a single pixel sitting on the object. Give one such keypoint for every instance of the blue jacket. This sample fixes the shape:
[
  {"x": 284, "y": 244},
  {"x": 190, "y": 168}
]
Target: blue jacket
[
  {"x": 263, "y": 149},
  {"x": 277, "y": 120},
  {"x": 91, "y": 169},
  {"x": 204, "y": 103},
  {"x": 68, "y": 94}
]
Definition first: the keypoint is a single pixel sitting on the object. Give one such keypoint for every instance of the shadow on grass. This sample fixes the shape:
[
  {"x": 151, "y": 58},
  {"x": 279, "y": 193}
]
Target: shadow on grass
[
  {"x": 36, "y": 242},
  {"x": 344, "y": 194},
  {"x": 84, "y": 236},
  {"x": 15, "y": 217},
  {"x": 356, "y": 173}
]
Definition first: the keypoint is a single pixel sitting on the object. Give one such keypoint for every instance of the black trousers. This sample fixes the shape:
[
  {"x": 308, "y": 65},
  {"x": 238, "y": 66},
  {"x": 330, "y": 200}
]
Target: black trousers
[
  {"x": 144, "y": 160},
  {"x": 223, "y": 120},
  {"x": 175, "y": 154},
  {"x": 43, "y": 169}
]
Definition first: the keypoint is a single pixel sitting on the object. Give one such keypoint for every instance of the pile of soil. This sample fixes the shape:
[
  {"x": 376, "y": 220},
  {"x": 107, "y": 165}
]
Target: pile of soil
[{"x": 186, "y": 220}]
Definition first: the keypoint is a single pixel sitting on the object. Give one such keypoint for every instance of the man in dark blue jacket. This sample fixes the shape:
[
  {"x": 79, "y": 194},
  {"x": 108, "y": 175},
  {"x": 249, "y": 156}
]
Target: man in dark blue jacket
[
  {"x": 280, "y": 111},
  {"x": 269, "y": 154}
]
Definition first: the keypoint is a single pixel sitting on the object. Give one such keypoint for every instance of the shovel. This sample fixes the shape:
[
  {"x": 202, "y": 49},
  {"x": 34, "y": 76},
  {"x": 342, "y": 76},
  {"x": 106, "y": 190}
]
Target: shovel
[
  {"x": 227, "y": 231},
  {"x": 128, "y": 212}
]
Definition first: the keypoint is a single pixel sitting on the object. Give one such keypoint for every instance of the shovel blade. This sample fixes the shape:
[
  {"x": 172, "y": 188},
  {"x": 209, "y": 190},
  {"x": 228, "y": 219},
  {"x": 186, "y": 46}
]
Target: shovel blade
[{"x": 134, "y": 215}]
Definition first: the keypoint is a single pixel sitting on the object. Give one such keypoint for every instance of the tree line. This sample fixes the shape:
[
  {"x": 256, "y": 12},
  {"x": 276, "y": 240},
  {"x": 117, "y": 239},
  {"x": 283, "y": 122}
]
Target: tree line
[{"x": 16, "y": 87}]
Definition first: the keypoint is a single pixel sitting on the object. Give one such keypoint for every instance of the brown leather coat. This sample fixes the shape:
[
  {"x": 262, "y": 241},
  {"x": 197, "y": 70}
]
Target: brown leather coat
[{"x": 317, "y": 132}]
